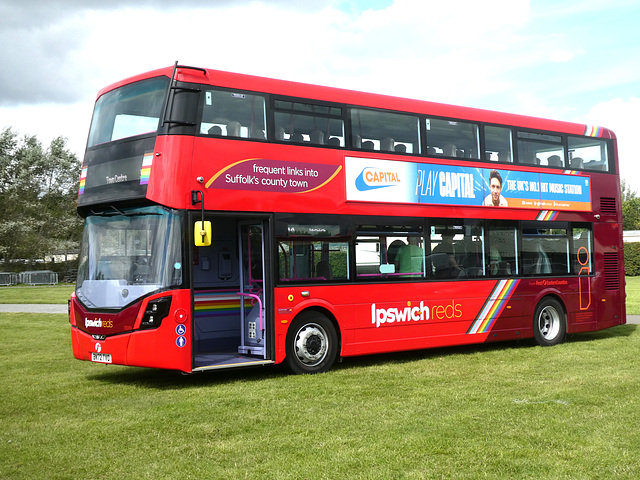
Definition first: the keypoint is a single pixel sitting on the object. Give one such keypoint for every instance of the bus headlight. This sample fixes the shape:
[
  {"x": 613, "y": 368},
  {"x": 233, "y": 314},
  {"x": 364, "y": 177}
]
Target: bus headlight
[{"x": 156, "y": 310}]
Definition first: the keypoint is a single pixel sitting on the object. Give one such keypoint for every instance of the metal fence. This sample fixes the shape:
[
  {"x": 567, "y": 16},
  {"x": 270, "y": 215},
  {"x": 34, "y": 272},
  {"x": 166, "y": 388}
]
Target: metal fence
[
  {"x": 7, "y": 278},
  {"x": 41, "y": 277}
]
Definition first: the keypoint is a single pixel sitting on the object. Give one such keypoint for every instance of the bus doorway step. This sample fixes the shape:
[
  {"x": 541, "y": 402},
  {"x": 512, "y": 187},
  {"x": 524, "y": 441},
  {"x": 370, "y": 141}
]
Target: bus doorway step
[{"x": 220, "y": 361}]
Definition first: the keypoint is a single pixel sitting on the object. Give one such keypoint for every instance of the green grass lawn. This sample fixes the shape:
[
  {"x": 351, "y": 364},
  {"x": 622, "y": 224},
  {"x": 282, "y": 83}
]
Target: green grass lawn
[
  {"x": 633, "y": 295},
  {"x": 36, "y": 294},
  {"x": 507, "y": 410}
]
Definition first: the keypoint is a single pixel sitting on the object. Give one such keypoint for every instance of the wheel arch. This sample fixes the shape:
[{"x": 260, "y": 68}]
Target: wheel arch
[
  {"x": 327, "y": 313},
  {"x": 555, "y": 295},
  {"x": 550, "y": 293},
  {"x": 545, "y": 300}
]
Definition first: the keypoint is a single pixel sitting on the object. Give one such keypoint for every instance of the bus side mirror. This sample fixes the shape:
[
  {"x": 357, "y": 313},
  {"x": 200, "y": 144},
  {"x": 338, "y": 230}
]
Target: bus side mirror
[{"x": 202, "y": 234}]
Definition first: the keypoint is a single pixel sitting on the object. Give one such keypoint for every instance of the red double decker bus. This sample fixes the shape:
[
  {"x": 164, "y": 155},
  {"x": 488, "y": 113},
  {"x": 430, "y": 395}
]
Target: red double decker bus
[{"x": 232, "y": 220}]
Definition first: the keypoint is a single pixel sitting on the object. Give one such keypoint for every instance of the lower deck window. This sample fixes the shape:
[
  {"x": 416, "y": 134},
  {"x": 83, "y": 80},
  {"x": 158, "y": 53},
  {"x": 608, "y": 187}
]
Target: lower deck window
[
  {"x": 306, "y": 260},
  {"x": 390, "y": 251},
  {"x": 431, "y": 249},
  {"x": 545, "y": 251}
]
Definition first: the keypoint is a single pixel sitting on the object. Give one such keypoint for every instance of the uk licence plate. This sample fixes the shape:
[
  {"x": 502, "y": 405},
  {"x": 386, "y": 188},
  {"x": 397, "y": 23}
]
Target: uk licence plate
[{"x": 101, "y": 357}]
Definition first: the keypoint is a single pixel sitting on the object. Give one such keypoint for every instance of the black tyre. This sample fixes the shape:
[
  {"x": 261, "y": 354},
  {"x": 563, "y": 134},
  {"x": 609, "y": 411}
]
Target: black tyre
[
  {"x": 549, "y": 322},
  {"x": 312, "y": 343}
]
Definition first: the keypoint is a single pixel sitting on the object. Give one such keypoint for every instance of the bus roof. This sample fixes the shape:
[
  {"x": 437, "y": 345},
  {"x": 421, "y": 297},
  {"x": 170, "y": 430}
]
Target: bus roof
[{"x": 363, "y": 99}]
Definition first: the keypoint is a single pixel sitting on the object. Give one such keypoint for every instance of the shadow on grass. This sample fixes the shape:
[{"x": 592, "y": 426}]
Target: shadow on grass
[
  {"x": 169, "y": 379},
  {"x": 472, "y": 349},
  {"x": 613, "y": 332}
]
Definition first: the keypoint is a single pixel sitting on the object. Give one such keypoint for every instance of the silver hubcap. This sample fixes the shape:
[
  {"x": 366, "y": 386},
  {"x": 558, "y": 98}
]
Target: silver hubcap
[
  {"x": 311, "y": 344},
  {"x": 549, "y": 323}
]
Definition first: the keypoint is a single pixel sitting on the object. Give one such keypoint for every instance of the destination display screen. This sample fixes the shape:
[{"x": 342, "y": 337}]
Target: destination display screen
[{"x": 116, "y": 172}]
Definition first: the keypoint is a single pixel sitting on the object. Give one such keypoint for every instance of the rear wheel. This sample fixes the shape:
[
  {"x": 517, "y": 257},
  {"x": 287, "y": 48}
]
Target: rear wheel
[
  {"x": 312, "y": 343},
  {"x": 549, "y": 322}
]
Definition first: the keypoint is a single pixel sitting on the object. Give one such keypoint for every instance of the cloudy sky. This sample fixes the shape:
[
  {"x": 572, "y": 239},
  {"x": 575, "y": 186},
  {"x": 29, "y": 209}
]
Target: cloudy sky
[{"x": 574, "y": 60}]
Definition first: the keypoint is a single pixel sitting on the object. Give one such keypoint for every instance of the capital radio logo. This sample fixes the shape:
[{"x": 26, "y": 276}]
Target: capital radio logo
[{"x": 371, "y": 178}]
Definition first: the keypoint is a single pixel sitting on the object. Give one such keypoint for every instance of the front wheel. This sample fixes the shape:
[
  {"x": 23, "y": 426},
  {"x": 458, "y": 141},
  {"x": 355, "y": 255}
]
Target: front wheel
[
  {"x": 549, "y": 323},
  {"x": 312, "y": 344}
]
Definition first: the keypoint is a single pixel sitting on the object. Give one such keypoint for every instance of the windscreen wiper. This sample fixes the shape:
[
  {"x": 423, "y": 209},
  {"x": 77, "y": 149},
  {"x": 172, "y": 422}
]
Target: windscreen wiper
[{"x": 109, "y": 213}]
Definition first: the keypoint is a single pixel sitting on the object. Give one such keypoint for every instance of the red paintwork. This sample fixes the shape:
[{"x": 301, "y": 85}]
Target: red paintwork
[
  {"x": 453, "y": 308},
  {"x": 155, "y": 348}
]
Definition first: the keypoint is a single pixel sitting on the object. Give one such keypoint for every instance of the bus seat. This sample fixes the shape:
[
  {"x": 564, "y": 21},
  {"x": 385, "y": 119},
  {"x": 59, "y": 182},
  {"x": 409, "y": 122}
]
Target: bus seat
[
  {"x": 323, "y": 269},
  {"x": 317, "y": 137},
  {"x": 528, "y": 158},
  {"x": 504, "y": 269},
  {"x": 439, "y": 261},
  {"x": 296, "y": 137},
  {"x": 449, "y": 150},
  {"x": 431, "y": 151},
  {"x": 554, "y": 161},
  {"x": 257, "y": 133},
  {"x": 368, "y": 145},
  {"x": 542, "y": 263},
  {"x": 233, "y": 129},
  {"x": 504, "y": 156},
  {"x": 400, "y": 148},
  {"x": 334, "y": 141},
  {"x": 577, "y": 163},
  {"x": 596, "y": 165},
  {"x": 386, "y": 144},
  {"x": 471, "y": 272},
  {"x": 357, "y": 141},
  {"x": 215, "y": 130},
  {"x": 280, "y": 133}
]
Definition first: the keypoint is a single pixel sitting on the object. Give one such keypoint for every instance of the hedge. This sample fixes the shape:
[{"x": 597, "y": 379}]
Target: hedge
[{"x": 632, "y": 258}]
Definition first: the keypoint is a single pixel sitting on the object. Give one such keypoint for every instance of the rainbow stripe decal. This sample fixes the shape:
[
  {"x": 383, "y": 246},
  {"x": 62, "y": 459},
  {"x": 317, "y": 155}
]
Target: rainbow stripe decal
[
  {"x": 145, "y": 171},
  {"x": 83, "y": 180},
  {"x": 493, "y": 307},
  {"x": 547, "y": 215},
  {"x": 592, "y": 131},
  {"x": 218, "y": 303}
]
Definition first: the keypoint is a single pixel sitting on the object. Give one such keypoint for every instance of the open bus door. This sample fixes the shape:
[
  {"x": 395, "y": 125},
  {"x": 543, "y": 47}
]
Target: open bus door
[{"x": 229, "y": 295}]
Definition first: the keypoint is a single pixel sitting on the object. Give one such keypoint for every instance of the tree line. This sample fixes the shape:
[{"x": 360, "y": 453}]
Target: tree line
[
  {"x": 631, "y": 221},
  {"x": 38, "y": 194},
  {"x": 630, "y": 208}
]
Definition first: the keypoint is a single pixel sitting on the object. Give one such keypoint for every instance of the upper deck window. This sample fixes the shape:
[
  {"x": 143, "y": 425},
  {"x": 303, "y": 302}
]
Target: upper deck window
[
  {"x": 128, "y": 111},
  {"x": 452, "y": 138},
  {"x": 233, "y": 114},
  {"x": 385, "y": 131},
  {"x": 303, "y": 122},
  {"x": 498, "y": 144},
  {"x": 586, "y": 153},
  {"x": 540, "y": 149}
]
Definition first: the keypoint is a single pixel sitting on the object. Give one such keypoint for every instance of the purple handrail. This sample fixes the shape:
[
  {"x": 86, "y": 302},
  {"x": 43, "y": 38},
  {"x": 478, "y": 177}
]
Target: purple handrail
[{"x": 255, "y": 297}]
